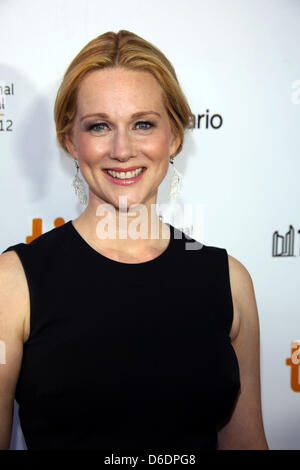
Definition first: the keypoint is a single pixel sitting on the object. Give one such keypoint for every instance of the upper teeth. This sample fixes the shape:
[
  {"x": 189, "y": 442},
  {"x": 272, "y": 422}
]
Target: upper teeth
[{"x": 123, "y": 174}]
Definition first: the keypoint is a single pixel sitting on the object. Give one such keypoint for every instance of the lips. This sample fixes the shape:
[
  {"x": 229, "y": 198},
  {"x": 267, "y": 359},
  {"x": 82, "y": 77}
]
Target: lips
[
  {"x": 125, "y": 181},
  {"x": 131, "y": 168}
]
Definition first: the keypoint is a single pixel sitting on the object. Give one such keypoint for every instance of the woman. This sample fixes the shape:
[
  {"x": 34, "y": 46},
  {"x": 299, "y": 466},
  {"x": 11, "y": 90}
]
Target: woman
[{"x": 119, "y": 341}]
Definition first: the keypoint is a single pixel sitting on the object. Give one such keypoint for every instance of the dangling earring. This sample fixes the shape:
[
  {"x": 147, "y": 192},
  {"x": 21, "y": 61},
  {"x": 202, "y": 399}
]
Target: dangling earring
[
  {"x": 176, "y": 182},
  {"x": 79, "y": 186}
]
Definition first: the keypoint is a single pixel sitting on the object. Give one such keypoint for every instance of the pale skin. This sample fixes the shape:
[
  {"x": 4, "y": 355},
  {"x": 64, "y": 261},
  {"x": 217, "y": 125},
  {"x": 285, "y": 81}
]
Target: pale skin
[{"x": 121, "y": 142}]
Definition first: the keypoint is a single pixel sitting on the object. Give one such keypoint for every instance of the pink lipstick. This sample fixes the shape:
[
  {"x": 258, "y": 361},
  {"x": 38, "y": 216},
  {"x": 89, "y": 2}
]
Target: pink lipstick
[{"x": 125, "y": 181}]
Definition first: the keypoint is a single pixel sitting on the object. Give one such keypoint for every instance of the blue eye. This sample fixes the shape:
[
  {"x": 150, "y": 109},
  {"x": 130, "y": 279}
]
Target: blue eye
[
  {"x": 96, "y": 126},
  {"x": 142, "y": 125},
  {"x": 147, "y": 123}
]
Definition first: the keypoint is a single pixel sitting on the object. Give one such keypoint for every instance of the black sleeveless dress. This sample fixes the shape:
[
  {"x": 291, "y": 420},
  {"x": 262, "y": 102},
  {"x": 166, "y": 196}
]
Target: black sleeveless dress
[{"x": 126, "y": 356}]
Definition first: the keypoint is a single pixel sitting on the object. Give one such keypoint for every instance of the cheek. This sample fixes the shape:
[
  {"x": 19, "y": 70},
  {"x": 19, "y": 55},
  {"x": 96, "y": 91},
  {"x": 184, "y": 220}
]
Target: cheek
[
  {"x": 157, "y": 147},
  {"x": 91, "y": 149},
  {"x": 88, "y": 148}
]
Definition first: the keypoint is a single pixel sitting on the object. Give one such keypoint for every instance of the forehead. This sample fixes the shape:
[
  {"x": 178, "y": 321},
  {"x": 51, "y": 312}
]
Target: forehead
[{"x": 118, "y": 88}]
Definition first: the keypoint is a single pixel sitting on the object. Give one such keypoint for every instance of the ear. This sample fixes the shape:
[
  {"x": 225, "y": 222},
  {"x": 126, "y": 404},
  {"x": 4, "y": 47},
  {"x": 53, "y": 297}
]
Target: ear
[
  {"x": 175, "y": 143},
  {"x": 70, "y": 146}
]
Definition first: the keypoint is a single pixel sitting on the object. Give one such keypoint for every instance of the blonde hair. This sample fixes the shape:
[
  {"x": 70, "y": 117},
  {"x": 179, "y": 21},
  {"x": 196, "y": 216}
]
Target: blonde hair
[{"x": 123, "y": 49}]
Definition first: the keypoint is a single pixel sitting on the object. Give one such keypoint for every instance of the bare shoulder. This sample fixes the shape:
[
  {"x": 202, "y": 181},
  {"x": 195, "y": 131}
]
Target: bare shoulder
[
  {"x": 14, "y": 293},
  {"x": 245, "y": 428},
  {"x": 239, "y": 274},
  {"x": 11, "y": 269},
  {"x": 13, "y": 305},
  {"x": 243, "y": 295},
  {"x": 241, "y": 283}
]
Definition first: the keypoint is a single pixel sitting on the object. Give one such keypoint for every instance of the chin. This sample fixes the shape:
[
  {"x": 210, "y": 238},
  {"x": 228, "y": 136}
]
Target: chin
[
  {"x": 129, "y": 199},
  {"x": 131, "y": 204}
]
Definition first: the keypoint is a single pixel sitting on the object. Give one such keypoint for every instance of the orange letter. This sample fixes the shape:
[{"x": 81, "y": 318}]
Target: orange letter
[
  {"x": 58, "y": 222},
  {"x": 36, "y": 230}
]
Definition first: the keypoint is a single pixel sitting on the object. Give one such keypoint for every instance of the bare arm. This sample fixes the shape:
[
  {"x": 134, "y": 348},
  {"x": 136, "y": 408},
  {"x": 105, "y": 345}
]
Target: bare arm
[
  {"x": 245, "y": 428},
  {"x": 14, "y": 299}
]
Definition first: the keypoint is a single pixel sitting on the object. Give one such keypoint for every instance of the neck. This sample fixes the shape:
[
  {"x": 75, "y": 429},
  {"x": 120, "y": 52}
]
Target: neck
[{"x": 129, "y": 230}]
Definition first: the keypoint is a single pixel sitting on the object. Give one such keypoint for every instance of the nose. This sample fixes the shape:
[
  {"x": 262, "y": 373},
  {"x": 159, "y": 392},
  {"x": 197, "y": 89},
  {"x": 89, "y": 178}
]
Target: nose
[{"x": 122, "y": 146}]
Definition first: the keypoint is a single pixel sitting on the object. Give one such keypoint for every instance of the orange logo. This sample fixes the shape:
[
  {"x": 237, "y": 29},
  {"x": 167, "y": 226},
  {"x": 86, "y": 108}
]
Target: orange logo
[
  {"x": 294, "y": 362},
  {"x": 37, "y": 228}
]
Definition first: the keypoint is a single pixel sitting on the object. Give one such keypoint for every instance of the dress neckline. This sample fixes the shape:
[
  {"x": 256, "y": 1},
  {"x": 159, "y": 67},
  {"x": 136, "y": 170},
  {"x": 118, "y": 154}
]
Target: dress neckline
[{"x": 96, "y": 254}]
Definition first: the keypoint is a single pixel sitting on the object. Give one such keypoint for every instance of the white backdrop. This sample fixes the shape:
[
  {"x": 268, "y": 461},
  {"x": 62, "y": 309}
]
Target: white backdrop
[{"x": 239, "y": 59}]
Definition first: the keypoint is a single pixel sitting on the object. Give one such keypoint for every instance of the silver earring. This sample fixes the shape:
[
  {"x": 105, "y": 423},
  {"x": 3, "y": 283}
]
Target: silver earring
[
  {"x": 176, "y": 182},
  {"x": 79, "y": 186}
]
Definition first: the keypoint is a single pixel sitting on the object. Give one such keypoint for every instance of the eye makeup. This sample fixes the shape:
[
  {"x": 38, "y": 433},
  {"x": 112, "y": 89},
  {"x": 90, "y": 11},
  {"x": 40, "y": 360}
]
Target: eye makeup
[{"x": 95, "y": 126}]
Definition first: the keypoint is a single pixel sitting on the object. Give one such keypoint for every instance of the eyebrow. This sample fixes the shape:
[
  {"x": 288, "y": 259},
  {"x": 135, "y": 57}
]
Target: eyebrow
[{"x": 106, "y": 116}]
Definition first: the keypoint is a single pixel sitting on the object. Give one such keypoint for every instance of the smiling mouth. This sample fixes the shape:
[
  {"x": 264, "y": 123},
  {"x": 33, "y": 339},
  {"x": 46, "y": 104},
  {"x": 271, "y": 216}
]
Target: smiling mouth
[
  {"x": 125, "y": 177},
  {"x": 125, "y": 174}
]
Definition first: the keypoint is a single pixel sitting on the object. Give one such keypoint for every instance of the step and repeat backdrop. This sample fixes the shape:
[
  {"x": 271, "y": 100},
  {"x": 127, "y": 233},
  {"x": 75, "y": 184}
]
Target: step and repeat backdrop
[{"x": 238, "y": 63}]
